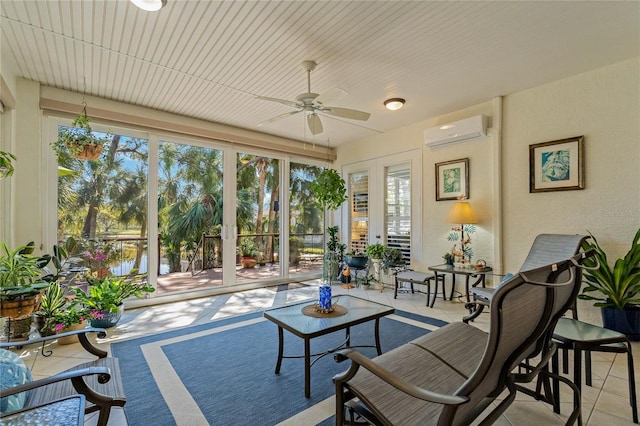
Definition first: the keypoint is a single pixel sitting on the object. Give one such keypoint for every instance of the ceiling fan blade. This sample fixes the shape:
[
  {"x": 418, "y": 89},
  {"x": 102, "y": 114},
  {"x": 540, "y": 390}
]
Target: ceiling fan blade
[
  {"x": 314, "y": 123},
  {"x": 280, "y": 101},
  {"x": 331, "y": 95},
  {"x": 352, "y": 114},
  {"x": 278, "y": 117}
]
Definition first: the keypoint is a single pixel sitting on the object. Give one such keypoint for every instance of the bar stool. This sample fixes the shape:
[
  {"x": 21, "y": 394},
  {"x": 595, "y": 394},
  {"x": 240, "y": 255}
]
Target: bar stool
[{"x": 424, "y": 278}]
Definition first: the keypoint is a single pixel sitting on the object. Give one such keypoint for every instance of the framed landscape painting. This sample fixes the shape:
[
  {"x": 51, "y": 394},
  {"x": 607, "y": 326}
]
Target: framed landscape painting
[
  {"x": 557, "y": 165},
  {"x": 452, "y": 179}
]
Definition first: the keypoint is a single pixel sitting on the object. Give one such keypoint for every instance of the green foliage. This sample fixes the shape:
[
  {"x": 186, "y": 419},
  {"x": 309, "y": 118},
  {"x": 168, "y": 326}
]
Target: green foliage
[
  {"x": 330, "y": 189},
  {"x": 20, "y": 272},
  {"x": 375, "y": 251},
  {"x": 73, "y": 139},
  {"x": 6, "y": 165},
  {"x": 108, "y": 293},
  {"x": 53, "y": 300},
  {"x": 616, "y": 287},
  {"x": 392, "y": 257},
  {"x": 247, "y": 247},
  {"x": 68, "y": 315}
]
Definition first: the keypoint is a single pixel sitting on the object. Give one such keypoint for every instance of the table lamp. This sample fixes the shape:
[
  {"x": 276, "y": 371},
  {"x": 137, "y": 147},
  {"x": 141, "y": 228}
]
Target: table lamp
[{"x": 462, "y": 213}]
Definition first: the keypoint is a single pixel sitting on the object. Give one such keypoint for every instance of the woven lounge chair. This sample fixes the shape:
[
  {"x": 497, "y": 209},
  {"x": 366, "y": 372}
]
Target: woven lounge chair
[
  {"x": 99, "y": 380},
  {"x": 451, "y": 375}
]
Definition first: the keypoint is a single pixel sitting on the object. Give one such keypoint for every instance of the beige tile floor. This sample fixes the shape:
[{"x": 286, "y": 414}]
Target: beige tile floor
[{"x": 605, "y": 403}]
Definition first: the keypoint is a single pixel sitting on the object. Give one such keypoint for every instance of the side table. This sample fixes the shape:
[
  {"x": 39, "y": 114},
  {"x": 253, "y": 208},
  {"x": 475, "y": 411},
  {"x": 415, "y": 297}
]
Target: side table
[{"x": 479, "y": 274}]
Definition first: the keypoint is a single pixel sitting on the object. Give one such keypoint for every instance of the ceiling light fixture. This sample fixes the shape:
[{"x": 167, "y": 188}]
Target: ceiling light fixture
[
  {"x": 394, "y": 103},
  {"x": 150, "y": 5}
]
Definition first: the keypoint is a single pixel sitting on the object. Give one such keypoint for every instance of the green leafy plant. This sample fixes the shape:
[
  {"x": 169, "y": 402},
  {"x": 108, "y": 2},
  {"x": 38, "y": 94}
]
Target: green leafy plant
[
  {"x": 330, "y": 189},
  {"x": 21, "y": 272},
  {"x": 247, "y": 247},
  {"x": 6, "y": 164},
  {"x": 617, "y": 287},
  {"x": 52, "y": 301},
  {"x": 70, "y": 314},
  {"x": 391, "y": 258},
  {"x": 108, "y": 293},
  {"x": 375, "y": 251},
  {"x": 72, "y": 140}
]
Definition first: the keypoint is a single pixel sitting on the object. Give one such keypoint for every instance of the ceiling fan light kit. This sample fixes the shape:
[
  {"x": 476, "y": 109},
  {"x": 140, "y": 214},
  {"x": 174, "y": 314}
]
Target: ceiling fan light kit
[
  {"x": 150, "y": 5},
  {"x": 394, "y": 103},
  {"x": 313, "y": 104}
]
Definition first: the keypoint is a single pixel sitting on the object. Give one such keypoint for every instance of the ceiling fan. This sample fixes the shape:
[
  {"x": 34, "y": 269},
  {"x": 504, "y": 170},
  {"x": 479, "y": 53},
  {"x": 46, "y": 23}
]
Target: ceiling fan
[{"x": 312, "y": 104}]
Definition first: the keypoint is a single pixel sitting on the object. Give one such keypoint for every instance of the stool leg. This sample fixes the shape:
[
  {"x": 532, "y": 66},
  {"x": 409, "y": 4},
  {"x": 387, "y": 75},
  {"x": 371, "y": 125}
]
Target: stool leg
[
  {"x": 587, "y": 368},
  {"x": 632, "y": 384},
  {"x": 395, "y": 293}
]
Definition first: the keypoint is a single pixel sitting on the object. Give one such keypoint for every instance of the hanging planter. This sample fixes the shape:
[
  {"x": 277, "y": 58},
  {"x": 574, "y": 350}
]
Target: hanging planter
[
  {"x": 85, "y": 152},
  {"x": 80, "y": 141}
]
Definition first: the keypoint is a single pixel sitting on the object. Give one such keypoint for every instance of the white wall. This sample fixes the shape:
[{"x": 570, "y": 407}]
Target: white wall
[{"x": 603, "y": 105}]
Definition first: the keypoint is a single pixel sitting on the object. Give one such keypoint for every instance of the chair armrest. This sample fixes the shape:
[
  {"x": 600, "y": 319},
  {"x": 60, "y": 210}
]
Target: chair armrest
[
  {"x": 82, "y": 336},
  {"x": 399, "y": 383},
  {"x": 105, "y": 376}
]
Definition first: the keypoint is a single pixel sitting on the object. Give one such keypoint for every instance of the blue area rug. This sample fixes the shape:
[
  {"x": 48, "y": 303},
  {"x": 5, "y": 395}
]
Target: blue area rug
[{"x": 230, "y": 374}]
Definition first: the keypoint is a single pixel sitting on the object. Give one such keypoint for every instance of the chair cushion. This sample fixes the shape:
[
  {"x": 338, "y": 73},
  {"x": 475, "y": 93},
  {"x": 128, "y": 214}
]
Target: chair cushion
[{"x": 13, "y": 372}]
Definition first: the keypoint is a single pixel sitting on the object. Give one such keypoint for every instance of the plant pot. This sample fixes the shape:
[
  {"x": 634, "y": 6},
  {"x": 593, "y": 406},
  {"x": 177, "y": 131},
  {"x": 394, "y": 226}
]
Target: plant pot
[
  {"x": 21, "y": 308},
  {"x": 39, "y": 323},
  {"x": 109, "y": 319},
  {"x": 248, "y": 262},
  {"x": 16, "y": 328},
  {"x": 625, "y": 321},
  {"x": 101, "y": 273},
  {"x": 69, "y": 340},
  {"x": 88, "y": 152},
  {"x": 357, "y": 262}
]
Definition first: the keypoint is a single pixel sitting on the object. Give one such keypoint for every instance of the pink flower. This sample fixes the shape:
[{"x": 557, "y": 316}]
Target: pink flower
[
  {"x": 59, "y": 327},
  {"x": 97, "y": 315}
]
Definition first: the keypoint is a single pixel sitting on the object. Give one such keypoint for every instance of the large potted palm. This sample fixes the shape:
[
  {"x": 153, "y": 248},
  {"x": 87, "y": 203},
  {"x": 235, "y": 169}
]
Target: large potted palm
[{"x": 616, "y": 290}]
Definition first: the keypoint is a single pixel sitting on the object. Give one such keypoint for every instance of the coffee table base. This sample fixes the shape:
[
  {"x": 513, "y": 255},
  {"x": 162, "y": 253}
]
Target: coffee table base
[{"x": 308, "y": 362}]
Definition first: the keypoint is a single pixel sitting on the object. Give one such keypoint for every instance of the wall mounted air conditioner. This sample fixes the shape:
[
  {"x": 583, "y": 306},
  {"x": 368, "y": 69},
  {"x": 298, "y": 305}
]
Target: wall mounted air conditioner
[{"x": 469, "y": 128}]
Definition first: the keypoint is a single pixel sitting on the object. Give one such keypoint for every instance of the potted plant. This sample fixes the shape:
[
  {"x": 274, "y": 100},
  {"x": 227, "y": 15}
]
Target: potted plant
[
  {"x": 392, "y": 258},
  {"x": 71, "y": 316},
  {"x": 106, "y": 296},
  {"x": 80, "y": 140},
  {"x": 333, "y": 255},
  {"x": 20, "y": 286},
  {"x": 448, "y": 258},
  {"x": 356, "y": 259},
  {"x": 247, "y": 252},
  {"x": 6, "y": 164},
  {"x": 98, "y": 256},
  {"x": 375, "y": 252},
  {"x": 53, "y": 301},
  {"x": 616, "y": 290}
]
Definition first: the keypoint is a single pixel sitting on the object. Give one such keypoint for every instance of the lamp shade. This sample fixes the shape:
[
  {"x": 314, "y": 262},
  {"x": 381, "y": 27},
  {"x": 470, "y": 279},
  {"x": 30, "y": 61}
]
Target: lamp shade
[{"x": 461, "y": 212}]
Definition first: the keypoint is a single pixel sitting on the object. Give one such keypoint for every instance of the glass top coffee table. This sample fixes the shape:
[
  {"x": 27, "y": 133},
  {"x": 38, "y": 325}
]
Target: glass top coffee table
[{"x": 307, "y": 327}]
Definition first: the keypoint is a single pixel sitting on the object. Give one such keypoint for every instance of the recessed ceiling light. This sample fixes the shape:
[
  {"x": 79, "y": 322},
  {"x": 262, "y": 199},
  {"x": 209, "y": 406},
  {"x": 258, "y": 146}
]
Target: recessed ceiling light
[
  {"x": 394, "y": 103},
  {"x": 150, "y": 5}
]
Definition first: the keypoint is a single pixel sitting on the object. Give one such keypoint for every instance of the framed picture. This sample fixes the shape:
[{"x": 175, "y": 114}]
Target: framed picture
[
  {"x": 452, "y": 179},
  {"x": 557, "y": 165}
]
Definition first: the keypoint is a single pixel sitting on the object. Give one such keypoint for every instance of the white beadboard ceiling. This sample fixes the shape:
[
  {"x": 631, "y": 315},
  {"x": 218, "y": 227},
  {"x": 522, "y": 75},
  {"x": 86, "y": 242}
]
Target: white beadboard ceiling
[{"x": 210, "y": 59}]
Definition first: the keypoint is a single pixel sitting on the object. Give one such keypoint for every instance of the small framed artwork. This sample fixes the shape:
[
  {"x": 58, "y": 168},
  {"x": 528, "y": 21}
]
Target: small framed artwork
[
  {"x": 452, "y": 179},
  {"x": 557, "y": 165}
]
